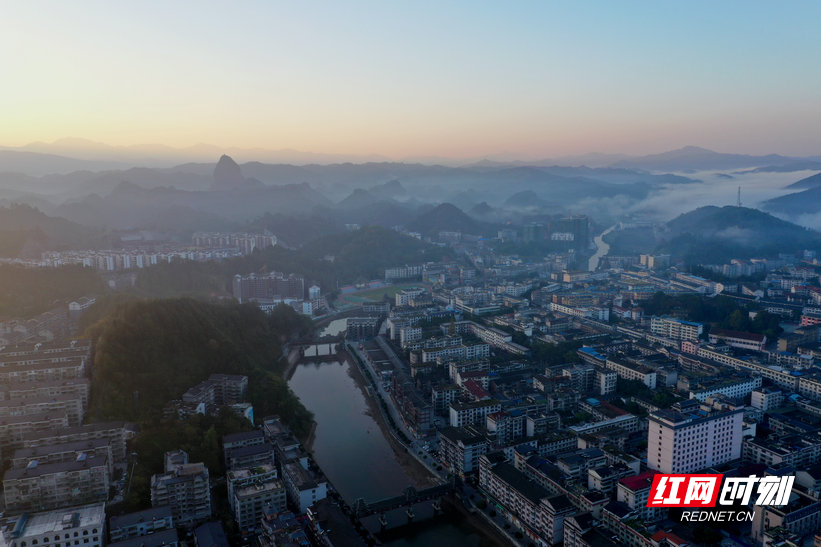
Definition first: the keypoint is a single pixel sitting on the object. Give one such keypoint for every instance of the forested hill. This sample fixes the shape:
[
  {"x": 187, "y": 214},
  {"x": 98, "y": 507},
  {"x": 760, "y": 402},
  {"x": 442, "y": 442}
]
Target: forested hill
[
  {"x": 149, "y": 352},
  {"x": 25, "y": 292},
  {"x": 329, "y": 261},
  {"x": 713, "y": 235}
]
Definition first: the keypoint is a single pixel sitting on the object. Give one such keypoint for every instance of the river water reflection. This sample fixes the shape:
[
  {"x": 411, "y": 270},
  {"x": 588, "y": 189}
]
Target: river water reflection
[{"x": 348, "y": 444}]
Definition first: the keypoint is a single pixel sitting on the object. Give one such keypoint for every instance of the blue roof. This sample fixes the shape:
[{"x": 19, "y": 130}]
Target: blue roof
[{"x": 590, "y": 351}]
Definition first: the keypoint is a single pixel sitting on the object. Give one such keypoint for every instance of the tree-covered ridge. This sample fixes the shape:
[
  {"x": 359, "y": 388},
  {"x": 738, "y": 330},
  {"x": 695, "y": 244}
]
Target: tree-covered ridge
[
  {"x": 149, "y": 352},
  {"x": 329, "y": 261},
  {"x": 25, "y": 292},
  {"x": 714, "y": 235},
  {"x": 364, "y": 254},
  {"x": 26, "y": 231}
]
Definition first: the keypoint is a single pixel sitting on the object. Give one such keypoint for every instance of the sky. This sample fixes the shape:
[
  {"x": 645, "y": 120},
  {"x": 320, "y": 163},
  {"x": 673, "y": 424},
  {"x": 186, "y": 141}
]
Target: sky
[{"x": 415, "y": 79}]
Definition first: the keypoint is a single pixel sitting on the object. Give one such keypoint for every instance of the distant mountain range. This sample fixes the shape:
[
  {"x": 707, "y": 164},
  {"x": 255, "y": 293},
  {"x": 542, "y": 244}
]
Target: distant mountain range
[
  {"x": 693, "y": 158},
  {"x": 27, "y": 232},
  {"x": 162, "y": 155},
  {"x": 319, "y": 199},
  {"x": 72, "y": 154},
  {"x": 813, "y": 181},
  {"x": 806, "y": 199}
]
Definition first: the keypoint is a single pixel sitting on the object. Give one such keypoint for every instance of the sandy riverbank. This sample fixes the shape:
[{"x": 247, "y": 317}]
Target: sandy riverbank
[
  {"x": 292, "y": 360},
  {"x": 308, "y": 441},
  {"x": 419, "y": 476}
]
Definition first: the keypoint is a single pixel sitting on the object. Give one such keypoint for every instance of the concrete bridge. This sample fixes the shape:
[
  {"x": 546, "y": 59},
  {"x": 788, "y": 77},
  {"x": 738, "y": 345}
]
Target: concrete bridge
[
  {"x": 320, "y": 351},
  {"x": 384, "y": 519},
  {"x": 409, "y": 496}
]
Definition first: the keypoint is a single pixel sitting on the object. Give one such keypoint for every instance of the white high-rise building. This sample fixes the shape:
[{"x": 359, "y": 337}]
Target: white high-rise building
[
  {"x": 685, "y": 440},
  {"x": 676, "y": 329}
]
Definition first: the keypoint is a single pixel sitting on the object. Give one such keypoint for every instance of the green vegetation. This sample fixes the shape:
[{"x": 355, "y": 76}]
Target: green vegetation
[
  {"x": 660, "y": 397},
  {"x": 297, "y": 230},
  {"x": 448, "y": 217},
  {"x": 722, "y": 312},
  {"x": 555, "y": 354},
  {"x": 150, "y": 352},
  {"x": 691, "y": 306},
  {"x": 631, "y": 241},
  {"x": 26, "y": 292},
  {"x": 348, "y": 257},
  {"x": 184, "y": 278},
  {"x": 198, "y": 435},
  {"x": 364, "y": 254},
  {"x": 26, "y": 231},
  {"x": 714, "y": 235},
  {"x": 754, "y": 279},
  {"x": 764, "y": 323}
]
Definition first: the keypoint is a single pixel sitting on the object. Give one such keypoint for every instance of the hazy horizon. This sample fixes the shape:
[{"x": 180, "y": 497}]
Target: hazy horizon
[
  {"x": 83, "y": 148},
  {"x": 423, "y": 80}
]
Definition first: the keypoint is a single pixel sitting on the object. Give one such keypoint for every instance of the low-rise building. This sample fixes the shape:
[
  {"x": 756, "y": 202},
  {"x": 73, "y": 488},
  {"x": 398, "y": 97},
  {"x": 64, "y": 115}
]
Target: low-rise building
[
  {"x": 53, "y": 485},
  {"x": 185, "y": 487},
  {"x": 163, "y": 538},
  {"x": 634, "y": 492},
  {"x": 251, "y": 491},
  {"x": 767, "y": 398},
  {"x": 737, "y": 339},
  {"x": 304, "y": 487},
  {"x": 475, "y": 412},
  {"x": 59, "y": 528},
  {"x": 64, "y": 453},
  {"x": 141, "y": 523},
  {"x": 460, "y": 449}
]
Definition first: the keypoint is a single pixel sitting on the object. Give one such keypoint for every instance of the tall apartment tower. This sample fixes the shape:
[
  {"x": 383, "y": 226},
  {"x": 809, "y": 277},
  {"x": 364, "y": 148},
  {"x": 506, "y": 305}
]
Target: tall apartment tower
[{"x": 686, "y": 439}]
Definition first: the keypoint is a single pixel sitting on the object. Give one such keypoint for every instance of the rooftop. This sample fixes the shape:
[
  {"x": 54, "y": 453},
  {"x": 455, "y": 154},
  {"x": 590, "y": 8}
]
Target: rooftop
[
  {"x": 37, "y": 524},
  {"x": 243, "y": 436},
  {"x": 722, "y": 333},
  {"x": 640, "y": 481},
  {"x": 518, "y": 480},
  {"x": 148, "y": 515},
  {"x": 157, "y": 539},
  {"x": 37, "y": 470}
]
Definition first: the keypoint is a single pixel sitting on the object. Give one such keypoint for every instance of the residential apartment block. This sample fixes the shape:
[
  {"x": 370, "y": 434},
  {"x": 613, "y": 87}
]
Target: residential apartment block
[{"x": 686, "y": 440}]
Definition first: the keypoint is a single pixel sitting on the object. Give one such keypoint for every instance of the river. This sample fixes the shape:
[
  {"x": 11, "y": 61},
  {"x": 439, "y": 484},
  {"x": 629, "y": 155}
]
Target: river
[
  {"x": 602, "y": 249},
  {"x": 348, "y": 444},
  {"x": 352, "y": 451},
  {"x": 335, "y": 327}
]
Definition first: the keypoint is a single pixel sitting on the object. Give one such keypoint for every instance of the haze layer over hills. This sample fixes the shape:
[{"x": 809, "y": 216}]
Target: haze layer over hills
[{"x": 94, "y": 199}]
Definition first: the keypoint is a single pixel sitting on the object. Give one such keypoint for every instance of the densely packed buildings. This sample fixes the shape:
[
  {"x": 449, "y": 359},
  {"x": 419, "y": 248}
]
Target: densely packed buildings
[{"x": 651, "y": 392}]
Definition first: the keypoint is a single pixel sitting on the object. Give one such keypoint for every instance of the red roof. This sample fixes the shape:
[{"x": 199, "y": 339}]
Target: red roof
[
  {"x": 637, "y": 482},
  {"x": 612, "y": 409},
  {"x": 670, "y": 537},
  {"x": 476, "y": 390}
]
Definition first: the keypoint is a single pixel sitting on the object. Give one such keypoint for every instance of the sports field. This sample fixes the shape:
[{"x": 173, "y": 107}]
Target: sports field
[{"x": 376, "y": 295}]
